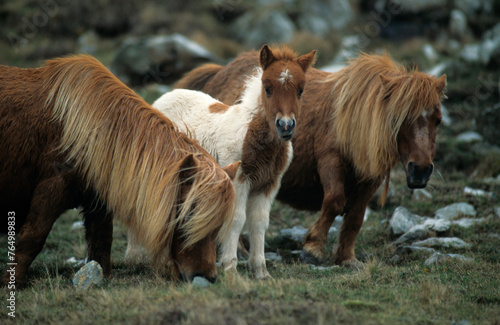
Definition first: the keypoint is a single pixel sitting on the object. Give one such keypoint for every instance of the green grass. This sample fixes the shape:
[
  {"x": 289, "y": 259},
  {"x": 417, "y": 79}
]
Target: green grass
[{"x": 381, "y": 293}]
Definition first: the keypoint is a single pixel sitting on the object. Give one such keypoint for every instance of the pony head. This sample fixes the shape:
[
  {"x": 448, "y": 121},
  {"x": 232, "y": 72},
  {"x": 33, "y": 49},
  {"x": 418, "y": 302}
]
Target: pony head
[
  {"x": 193, "y": 257},
  {"x": 283, "y": 81},
  {"x": 416, "y": 139}
]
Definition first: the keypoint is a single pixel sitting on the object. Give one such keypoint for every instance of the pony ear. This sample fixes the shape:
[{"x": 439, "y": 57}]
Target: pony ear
[
  {"x": 440, "y": 83},
  {"x": 385, "y": 80},
  {"x": 307, "y": 60},
  {"x": 232, "y": 169},
  {"x": 187, "y": 167},
  {"x": 266, "y": 57}
]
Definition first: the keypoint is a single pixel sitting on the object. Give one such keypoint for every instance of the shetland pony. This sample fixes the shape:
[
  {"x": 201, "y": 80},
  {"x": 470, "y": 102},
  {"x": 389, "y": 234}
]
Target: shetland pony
[
  {"x": 73, "y": 134},
  {"x": 256, "y": 131},
  {"x": 356, "y": 124}
]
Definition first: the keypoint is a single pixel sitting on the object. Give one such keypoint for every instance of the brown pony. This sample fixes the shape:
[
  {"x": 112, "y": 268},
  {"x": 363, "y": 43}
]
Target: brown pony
[
  {"x": 73, "y": 134},
  {"x": 356, "y": 124}
]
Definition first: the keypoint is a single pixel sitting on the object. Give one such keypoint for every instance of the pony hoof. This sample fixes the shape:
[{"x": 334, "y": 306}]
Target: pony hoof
[{"x": 307, "y": 258}]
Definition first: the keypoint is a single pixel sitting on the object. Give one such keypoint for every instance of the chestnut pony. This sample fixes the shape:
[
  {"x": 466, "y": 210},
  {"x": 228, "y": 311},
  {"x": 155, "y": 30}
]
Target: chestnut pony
[
  {"x": 73, "y": 134},
  {"x": 355, "y": 125},
  {"x": 256, "y": 131}
]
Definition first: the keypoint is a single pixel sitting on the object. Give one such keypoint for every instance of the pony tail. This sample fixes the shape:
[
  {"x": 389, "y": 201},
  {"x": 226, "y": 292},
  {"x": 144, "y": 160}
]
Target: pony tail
[{"x": 383, "y": 197}]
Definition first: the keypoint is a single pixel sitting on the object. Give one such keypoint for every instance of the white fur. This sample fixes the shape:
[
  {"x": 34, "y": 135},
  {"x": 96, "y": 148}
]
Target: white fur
[
  {"x": 222, "y": 135},
  {"x": 285, "y": 76}
]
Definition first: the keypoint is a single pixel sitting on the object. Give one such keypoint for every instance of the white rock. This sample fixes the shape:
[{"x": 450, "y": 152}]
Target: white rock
[
  {"x": 200, "y": 282},
  {"x": 469, "y": 137},
  {"x": 458, "y": 23},
  {"x": 417, "y": 232},
  {"x": 430, "y": 53},
  {"x": 455, "y": 210},
  {"x": 497, "y": 211},
  {"x": 438, "y": 225},
  {"x": 273, "y": 257},
  {"x": 402, "y": 220},
  {"x": 77, "y": 225},
  {"x": 471, "y": 53},
  {"x": 476, "y": 192},
  {"x": 442, "y": 242},
  {"x": 437, "y": 258},
  {"x": 325, "y": 268},
  {"x": 467, "y": 222},
  {"x": 421, "y": 194}
]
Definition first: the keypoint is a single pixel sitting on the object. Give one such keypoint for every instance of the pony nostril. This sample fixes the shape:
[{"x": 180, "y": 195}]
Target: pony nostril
[
  {"x": 285, "y": 124},
  {"x": 411, "y": 167}
]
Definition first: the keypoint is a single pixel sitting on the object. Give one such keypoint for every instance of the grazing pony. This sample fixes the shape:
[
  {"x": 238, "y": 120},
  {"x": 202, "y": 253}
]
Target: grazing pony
[
  {"x": 355, "y": 125},
  {"x": 73, "y": 134},
  {"x": 256, "y": 131}
]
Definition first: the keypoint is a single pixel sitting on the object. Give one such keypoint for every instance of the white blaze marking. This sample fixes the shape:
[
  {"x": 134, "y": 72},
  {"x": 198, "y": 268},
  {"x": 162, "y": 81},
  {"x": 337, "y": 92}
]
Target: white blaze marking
[{"x": 285, "y": 76}]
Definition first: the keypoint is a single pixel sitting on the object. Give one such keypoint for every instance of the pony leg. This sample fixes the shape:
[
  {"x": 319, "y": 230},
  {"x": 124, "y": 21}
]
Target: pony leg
[
  {"x": 99, "y": 236},
  {"x": 48, "y": 203},
  {"x": 330, "y": 171},
  {"x": 229, "y": 258},
  {"x": 353, "y": 220},
  {"x": 258, "y": 222}
]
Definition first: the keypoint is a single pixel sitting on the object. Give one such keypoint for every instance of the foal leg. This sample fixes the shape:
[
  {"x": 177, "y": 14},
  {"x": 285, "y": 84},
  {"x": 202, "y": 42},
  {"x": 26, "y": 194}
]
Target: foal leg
[
  {"x": 229, "y": 258},
  {"x": 134, "y": 253},
  {"x": 99, "y": 235},
  {"x": 330, "y": 172},
  {"x": 49, "y": 202},
  {"x": 356, "y": 204},
  {"x": 258, "y": 222}
]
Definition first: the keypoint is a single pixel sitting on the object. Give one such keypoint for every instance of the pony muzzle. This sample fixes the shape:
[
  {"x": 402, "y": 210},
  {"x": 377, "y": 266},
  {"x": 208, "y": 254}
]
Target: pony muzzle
[
  {"x": 285, "y": 127},
  {"x": 417, "y": 176}
]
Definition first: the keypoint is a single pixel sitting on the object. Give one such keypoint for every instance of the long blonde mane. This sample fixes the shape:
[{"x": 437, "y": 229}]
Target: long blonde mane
[
  {"x": 131, "y": 154},
  {"x": 369, "y": 113}
]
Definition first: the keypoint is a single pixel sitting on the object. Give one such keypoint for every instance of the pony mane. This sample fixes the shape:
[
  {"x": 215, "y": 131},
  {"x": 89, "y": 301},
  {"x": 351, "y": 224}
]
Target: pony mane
[
  {"x": 369, "y": 113},
  {"x": 283, "y": 52},
  {"x": 132, "y": 155}
]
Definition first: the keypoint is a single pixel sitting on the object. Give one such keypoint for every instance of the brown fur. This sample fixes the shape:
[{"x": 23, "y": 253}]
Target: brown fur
[
  {"x": 354, "y": 126},
  {"x": 218, "y": 108},
  {"x": 71, "y": 133}
]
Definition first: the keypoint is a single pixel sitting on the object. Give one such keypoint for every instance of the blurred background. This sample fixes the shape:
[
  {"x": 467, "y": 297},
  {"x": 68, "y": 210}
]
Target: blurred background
[{"x": 149, "y": 45}]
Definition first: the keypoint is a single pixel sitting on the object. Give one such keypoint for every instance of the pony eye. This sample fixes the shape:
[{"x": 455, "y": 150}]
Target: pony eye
[
  {"x": 267, "y": 90},
  {"x": 438, "y": 121},
  {"x": 299, "y": 94}
]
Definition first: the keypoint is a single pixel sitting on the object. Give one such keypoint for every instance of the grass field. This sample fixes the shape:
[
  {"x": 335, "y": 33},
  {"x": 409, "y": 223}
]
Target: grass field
[{"x": 381, "y": 293}]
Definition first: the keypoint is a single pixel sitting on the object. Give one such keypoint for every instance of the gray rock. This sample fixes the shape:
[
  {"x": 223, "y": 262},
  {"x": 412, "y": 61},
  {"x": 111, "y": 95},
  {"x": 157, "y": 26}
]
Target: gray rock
[
  {"x": 496, "y": 236},
  {"x": 467, "y": 222},
  {"x": 273, "y": 257},
  {"x": 473, "y": 7},
  {"x": 325, "y": 268},
  {"x": 454, "y": 211},
  {"x": 296, "y": 233},
  {"x": 416, "y": 7},
  {"x": 497, "y": 211},
  {"x": 430, "y": 53},
  {"x": 437, "y": 225},
  {"x": 316, "y": 16},
  {"x": 415, "y": 233},
  {"x": 88, "y": 42},
  {"x": 200, "y": 282},
  {"x": 469, "y": 137},
  {"x": 458, "y": 24},
  {"x": 471, "y": 53},
  {"x": 159, "y": 59},
  {"x": 447, "y": 242},
  {"x": 408, "y": 250},
  {"x": 402, "y": 220},
  {"x": 421, "y": 195},
  {"x": 77, "y": 225},
  {"x": 438, "y": 258},
  {"x": 490, "y": 47},
  {"x": 476, "y": 192},
  {"x": 90, "y": 275},
  {"x": 256, "y": 28},
  {"x": 74, "y": 262}
]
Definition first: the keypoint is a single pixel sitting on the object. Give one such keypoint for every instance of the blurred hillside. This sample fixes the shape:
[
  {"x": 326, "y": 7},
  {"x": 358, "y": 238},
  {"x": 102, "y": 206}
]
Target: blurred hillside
[{"x": 148, "y": 42}]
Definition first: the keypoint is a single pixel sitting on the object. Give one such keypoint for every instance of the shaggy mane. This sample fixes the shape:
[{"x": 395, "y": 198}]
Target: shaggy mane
[
  {"x": 283, "y": 52},
  {"x": 368, "y": 114},
  {"x": 131, "y": 154}
]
